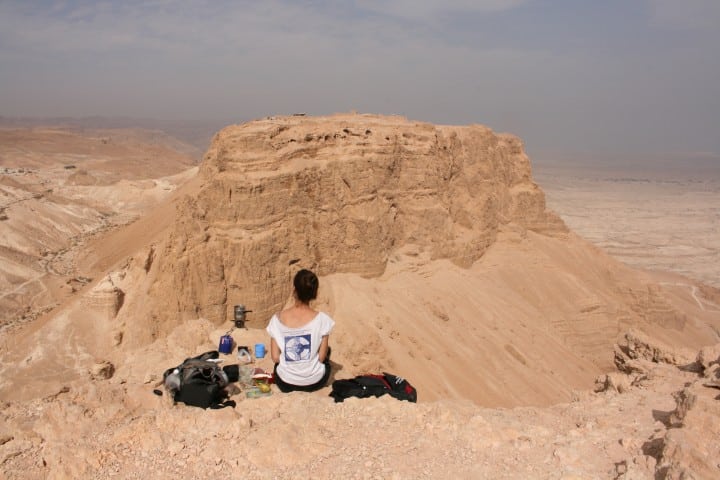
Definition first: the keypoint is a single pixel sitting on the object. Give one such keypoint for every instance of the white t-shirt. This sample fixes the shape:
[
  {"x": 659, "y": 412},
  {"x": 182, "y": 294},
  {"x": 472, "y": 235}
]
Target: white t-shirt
[{"x": 299, "y": 361}]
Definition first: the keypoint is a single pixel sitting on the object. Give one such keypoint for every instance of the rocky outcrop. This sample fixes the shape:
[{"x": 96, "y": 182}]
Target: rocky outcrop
[
  {"x": 690, "y": 448},
  {"x": 708, "y": 359},
  {"x": 640, "y": 346},
  {"x": 338, "y": 194},
  {"x": 686, "y": 448},
  {"x": 105, "y": 297}
]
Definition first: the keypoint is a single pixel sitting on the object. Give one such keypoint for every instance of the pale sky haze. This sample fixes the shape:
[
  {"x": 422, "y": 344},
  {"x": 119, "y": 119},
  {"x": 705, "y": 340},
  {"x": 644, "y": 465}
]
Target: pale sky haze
[{"x": 601, "y": 77}]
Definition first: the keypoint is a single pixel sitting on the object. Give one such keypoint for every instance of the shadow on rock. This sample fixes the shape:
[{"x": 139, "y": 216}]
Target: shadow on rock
[
  {"x": 654, "y": 448},
  {"x": 663, "y": 417}
]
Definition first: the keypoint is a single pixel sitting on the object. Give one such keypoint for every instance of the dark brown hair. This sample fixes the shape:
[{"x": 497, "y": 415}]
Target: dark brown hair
[{"x": 306, "y": 285}]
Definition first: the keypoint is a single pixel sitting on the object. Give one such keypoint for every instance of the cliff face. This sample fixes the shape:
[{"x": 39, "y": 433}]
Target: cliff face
[{"x": 338, "y": 194}]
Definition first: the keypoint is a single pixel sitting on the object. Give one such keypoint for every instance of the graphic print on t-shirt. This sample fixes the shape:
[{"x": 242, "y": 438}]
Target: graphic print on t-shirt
[{"x": 297, "y": 348}]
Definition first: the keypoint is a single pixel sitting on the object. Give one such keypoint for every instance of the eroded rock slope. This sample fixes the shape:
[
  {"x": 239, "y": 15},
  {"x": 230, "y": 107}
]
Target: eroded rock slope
[{"x": 338, "y": 194}]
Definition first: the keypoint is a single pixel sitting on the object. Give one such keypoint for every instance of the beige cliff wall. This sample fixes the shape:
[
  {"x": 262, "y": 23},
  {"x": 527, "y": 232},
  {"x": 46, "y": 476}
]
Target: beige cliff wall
[{"x": 335, "y": 194}]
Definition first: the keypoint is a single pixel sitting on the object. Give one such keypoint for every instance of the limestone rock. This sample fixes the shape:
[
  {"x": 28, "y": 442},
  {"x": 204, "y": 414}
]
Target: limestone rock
[
  {"x": 639, "y": 345},
  {"x": 691, "y": 449},
  {"x": 102, "y": 370},
  {"x": 712, "y": 373},
  {"x": 614, "y": 382},
  {"x": 336, "y": 194},
  {"x": 105, "y": 297},
  {"x": 709, "y": 356},
  {"x": 625, "y": 364}
]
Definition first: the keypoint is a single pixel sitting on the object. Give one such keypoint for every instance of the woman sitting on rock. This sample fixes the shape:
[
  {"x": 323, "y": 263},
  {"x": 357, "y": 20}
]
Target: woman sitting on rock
[{"x": 299, "y": 340}]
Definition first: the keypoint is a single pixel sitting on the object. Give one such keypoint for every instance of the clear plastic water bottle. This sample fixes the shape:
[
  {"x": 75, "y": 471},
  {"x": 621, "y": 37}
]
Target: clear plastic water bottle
[{"x": 243, "y": 355}]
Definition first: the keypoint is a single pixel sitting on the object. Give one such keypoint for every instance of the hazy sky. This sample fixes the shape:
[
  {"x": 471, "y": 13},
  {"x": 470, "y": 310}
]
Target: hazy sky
[{"x": 599, "y": 76}]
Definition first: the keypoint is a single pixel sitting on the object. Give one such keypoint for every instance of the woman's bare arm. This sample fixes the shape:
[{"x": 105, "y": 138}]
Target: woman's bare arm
[
  {"x": 322, "y": 352},
  {"x": 274, "y": 351}
]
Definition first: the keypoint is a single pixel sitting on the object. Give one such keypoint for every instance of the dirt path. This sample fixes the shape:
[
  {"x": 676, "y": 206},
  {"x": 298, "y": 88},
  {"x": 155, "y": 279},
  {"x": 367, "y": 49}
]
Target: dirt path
[{"x": 694, "y": 293}]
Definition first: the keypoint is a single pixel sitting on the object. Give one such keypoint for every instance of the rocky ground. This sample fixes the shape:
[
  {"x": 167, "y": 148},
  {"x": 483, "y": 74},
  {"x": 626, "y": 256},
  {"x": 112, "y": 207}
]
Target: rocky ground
[{"x": 659, "y": 421}]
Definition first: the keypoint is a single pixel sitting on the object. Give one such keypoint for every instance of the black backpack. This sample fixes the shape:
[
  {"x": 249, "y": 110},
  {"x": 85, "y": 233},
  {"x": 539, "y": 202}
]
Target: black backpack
[
  {"x": 371, "y": 385},
  {"x": 198, "y": 382}
]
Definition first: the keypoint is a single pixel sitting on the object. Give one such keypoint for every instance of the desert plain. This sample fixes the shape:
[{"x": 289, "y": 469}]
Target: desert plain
[
  {"x": 658, "y": 217},
  {"x": 558, "y": 321}
]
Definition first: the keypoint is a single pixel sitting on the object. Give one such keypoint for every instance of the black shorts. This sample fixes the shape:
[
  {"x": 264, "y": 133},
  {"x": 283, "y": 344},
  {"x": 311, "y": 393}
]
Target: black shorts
[{"x": 289, "y": 387}]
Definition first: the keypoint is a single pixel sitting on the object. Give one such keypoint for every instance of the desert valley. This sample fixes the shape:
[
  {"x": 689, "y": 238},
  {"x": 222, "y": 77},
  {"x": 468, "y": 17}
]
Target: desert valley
[{"x": 558, "y": 321}]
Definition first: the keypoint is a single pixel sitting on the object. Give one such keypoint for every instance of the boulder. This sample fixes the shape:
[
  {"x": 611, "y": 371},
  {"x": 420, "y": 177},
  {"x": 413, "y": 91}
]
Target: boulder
[
  {"x": 708, "y": 356},
  {"x": 102, "y": 370}
]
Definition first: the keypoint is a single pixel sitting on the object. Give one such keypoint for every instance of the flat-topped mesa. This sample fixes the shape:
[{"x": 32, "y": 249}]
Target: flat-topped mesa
[{"x": 340, "y": 194}]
